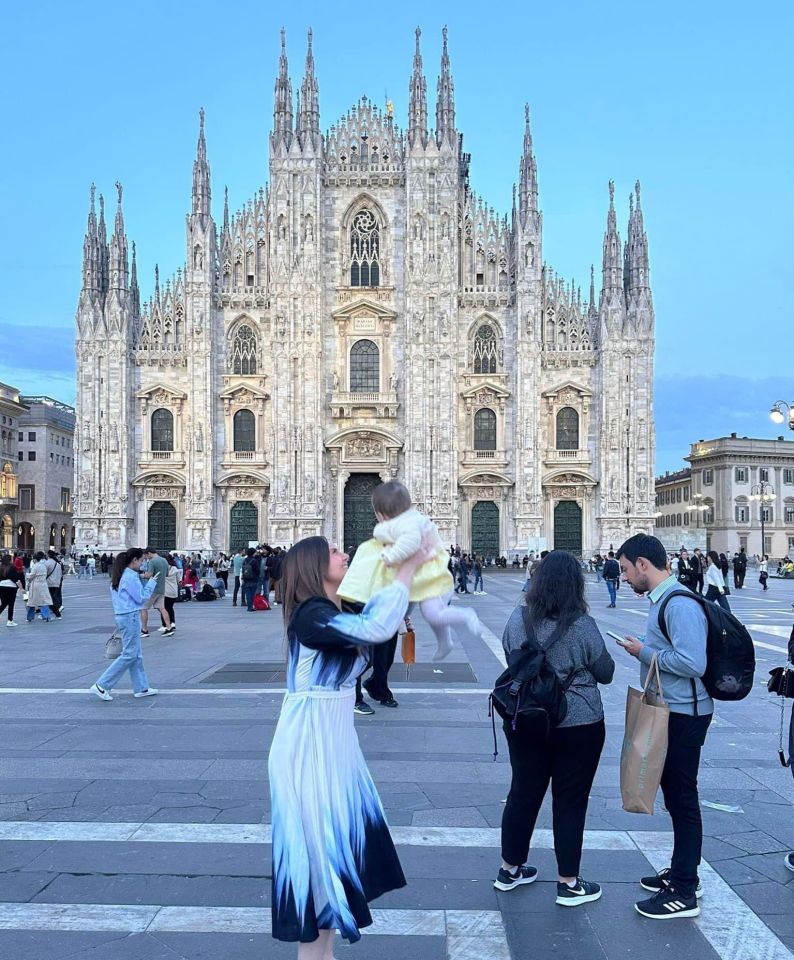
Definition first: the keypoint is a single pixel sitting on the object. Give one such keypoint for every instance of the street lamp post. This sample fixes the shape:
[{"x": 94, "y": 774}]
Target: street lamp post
[
  {"x": 781, "y": 411},
  {"x": 763, "y": 492}
]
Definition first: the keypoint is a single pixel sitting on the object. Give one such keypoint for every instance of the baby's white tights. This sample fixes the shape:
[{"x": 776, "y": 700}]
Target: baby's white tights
[{"x": 442, "y": 617}]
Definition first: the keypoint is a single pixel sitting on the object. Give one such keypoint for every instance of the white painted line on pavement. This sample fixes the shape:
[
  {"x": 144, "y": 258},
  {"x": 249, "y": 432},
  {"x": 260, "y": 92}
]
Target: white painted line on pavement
[
  {"x": 494, "y": 644},
  {"x": 729, "y": 925},
  {"x": 231, "y": 691}
]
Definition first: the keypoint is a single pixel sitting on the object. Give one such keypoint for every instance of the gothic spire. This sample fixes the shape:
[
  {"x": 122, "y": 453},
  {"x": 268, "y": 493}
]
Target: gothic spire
[
  {"x": 636, "y": 276},
  {"x": 611, "y": 268},
  {"x": 528, "y": 180},
  {"x": 225, "y": 209},
  {"x": 104, "y": 253},
  {"x": 592, "y": 304},
  {"x": 201, "y": 174},
  {"x": 135, "y": 293},
  {"x": 91, "y": 259},
  {"x": 445, "y": 101},
  {"x": 118, "y": 249},
  {"x": 282, "y": 107},
  {"x": 309, "y": 112},
  {"x": 417, "y": 107}
]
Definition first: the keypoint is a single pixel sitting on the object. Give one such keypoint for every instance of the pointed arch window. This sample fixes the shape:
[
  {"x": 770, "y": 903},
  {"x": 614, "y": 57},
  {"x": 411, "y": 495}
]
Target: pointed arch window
[
  {"x": 485, "y": 430},
  {"x": 567, "y": 429},
  {"x": 364, "y": 250},
  {"x": 364, "y": 367},
  {"x": 485, "y": 349},
  {"x": 244, "y": 352},
  {"x": 162, "y": 430},
  {"x": 244, "y": 430}
]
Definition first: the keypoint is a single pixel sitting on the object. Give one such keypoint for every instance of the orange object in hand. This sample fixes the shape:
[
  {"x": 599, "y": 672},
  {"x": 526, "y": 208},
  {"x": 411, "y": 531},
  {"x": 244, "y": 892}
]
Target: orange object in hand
[{"x": 408, "y": 648}]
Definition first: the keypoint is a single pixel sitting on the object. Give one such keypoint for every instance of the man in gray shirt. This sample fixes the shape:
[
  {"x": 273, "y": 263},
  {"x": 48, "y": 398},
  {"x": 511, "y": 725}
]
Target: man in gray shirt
[
  {"x": 682, "y": 663},
  {"x": 156, "y": 564}
]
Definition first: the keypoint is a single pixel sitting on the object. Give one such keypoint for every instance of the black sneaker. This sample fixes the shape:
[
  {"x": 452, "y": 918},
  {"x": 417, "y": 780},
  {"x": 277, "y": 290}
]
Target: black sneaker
[
  {"x": 667, "y": 904},
  {"x": 662, "y": 880},
  {"x": 583, "y": 892},
  {"x": 788, "y": 861},
  {"x": 170, "y": 632},
  {"x": 507, "y": 881},
  {"x": 363, "y": 708},
  {"x": 144, "y": 633}
]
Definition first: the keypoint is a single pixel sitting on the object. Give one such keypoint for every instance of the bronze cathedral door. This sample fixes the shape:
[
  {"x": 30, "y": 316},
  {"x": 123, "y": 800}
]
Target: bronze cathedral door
[{"x": 359, "y": 515}]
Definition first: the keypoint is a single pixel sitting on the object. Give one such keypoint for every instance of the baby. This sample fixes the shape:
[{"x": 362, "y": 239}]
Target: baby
[{"x": 397, "y": 536}]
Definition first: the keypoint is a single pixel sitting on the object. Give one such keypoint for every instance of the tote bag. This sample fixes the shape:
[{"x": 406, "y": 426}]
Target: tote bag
[{"x": 644, "y": 745}]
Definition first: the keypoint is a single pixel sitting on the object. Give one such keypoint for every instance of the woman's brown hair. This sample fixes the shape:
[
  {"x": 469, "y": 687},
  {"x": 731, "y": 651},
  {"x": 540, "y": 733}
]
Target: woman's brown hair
[
  {"x": 120, "y": 564},
  {"x": 303, "y": 574}
]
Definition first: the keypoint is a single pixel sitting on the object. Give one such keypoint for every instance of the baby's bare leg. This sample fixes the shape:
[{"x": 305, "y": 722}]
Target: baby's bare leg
[{"x": 442, "y": 618}]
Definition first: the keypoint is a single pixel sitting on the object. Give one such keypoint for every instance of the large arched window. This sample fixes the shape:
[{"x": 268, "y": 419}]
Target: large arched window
[
  {"x": 244, "y": 430},
  {"x": 364, "y": 367},
  {"x": 485, "y": 430},
  {"x": 244, "y": 352},
  {"x": 485, "y": 350},
  {"x": 364, "y": 250},
  {"x": 162, "y": 430},
  {"x": 567, "y": 429}
]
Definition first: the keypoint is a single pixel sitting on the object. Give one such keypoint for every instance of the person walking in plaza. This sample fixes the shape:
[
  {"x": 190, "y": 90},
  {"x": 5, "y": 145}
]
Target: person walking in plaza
[
  {"x": 275, "y": 565},
  {"x": 739, "y": 569},
  {"x": 171, "y": 591},
  {"x": 129, "y": 596},
  {"x": 554, "y": 616},
  {"x": 10, "y": 585},
  {"x": 682, "y": 662},
  {"x": 763, "y": 571},
  {"x": 477, "y": 566},
  {"x": 156, "y": 600},
  {"x": 38, "y": 591},
  {"x": 237, "y": 572},
  {"x": 612, "y": 577},
  {"x": 715, "y": 581},
  {"x": 698, "y": 563},
  {"x": 54, "y": 582},
  {"x": 332, "y": 850},
  {"x": 250, "y": 578},
  {"x": 223, "y": 570}
]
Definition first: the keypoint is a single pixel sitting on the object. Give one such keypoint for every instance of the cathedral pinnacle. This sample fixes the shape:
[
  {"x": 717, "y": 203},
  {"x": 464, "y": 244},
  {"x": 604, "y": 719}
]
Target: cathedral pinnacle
[
  {"x": 445, "y": 101},
  {"x": 528, "y": 174},
  {"x": 636, "y": 254},
  {"x": 611, "y": 266},
  {"x": 417, "y": 108},
  {"x": 282, "y": 105},
  {"x": 309, "y": 103},
  {"x": 118, "y": 249},
  {"x": 201, "y": 175}
]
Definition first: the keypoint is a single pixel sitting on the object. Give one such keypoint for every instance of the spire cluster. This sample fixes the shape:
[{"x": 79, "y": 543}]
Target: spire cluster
[{"x": 202, "y": 195}]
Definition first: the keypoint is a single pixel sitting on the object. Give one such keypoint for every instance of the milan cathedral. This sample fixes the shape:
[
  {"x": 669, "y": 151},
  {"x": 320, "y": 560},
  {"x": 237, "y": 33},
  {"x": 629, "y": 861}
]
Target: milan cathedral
[{"x": 364, "y": 316}]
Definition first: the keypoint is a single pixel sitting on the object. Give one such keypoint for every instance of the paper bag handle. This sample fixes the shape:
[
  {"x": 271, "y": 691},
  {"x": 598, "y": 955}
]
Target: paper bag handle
[{"x": 654, "y": 669}]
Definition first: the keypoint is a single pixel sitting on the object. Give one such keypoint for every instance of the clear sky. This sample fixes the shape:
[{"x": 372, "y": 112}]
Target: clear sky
[{"x": 694, "y": 99}]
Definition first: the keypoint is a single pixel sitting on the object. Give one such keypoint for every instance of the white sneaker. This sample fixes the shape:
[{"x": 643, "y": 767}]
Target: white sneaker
[
  {"x": 162, "y": 629},
  {"x": 12, "y": 623},
  {"x": 150, "y": 692},
  {"x": 102, "y": 694}
]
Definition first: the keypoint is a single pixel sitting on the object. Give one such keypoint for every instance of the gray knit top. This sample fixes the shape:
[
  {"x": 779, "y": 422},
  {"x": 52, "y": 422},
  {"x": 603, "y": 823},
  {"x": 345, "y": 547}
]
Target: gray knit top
[{"x": 580, "y": 651}]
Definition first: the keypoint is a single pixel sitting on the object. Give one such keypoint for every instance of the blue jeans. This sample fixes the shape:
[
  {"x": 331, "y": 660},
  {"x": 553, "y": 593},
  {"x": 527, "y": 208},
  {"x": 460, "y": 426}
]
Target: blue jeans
[
  {"x": 129, "y": 625},
  {"x": 612, "y": 587},
  {"x": 43, "y": 609},
  {"x": 478, "y": 580},
  {"x": 263, "y": 587},
  {"x": 249, "y": 592}
]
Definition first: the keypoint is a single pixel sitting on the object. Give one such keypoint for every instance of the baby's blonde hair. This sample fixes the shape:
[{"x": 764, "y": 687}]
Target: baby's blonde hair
[{"x": 390, "y": 499}]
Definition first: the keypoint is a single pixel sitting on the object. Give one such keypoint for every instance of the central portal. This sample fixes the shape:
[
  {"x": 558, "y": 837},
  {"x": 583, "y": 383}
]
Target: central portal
[
  {"x": 568, "y": 527},
  {"x": 243, "y": 525},
  {"x": 359, "y": 515}
]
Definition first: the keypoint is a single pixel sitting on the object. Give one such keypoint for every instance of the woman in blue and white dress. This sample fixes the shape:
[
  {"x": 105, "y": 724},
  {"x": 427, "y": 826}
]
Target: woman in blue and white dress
[{"x": 332, "y": 851}]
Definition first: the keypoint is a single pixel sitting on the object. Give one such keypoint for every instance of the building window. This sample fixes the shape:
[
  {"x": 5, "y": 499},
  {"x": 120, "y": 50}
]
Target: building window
[
  {"x": 741, "y": 474},
  {"x": 66, "y": 499},
  {"x": 20, "y": 435},
  {"x": 767, "y": 514},
  {"x": 763, "y": 474},
  {"x": 743, "y": 544},
  {"x": 789, "y": 515},
  {"x": 27, "y": 497},
  {"x": 244, "y": 430},
  {"x": 678, "y": 519},
  {"x": 31, "y": 454},
  {"x": 364, "y": 367},
  {"x": 788, "y": 476},
  {"x": 32, "y": 436},
  {"x": 485, "y": 350},
  {"x": 567, "y": 429},
  {"x": 20, "y": 455},
  {"x": 162, "y": 430},
  {"x": 485, "y": 430},
  {"x": 742, "y": 514},
  {"x": 767, "y": 545},
  {"x": 678, "y": 495},
  {"x": 364, "y": 251},
  {"x": 708, "y": 478},
  {"x": 790, "y": 545},
  {"x": 244, "y": 352},
  {"x": 686, "y": 492},
  {"x": 686, "y": 519}
]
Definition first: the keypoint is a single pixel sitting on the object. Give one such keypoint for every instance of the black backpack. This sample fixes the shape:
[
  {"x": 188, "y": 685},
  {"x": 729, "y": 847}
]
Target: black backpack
[
  {"x": 730, "y": 654},
  {"x": 250, "y": 569},
  {"x": 529, "y": 688}
]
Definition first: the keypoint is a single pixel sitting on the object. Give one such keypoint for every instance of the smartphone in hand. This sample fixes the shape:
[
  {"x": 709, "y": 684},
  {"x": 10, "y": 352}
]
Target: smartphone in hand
[{"x": 617, "y": 637}]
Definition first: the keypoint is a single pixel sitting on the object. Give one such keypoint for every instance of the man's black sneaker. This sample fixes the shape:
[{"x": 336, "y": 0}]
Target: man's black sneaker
[
  {"x": 363, "y": 708},
  {"x": 788, "y": 861},
  {"x": 662, "y": 880},
  {"x": 583, "y": 892},
  {"x": 667, "y": 904},
  {"x": 507, "y": 881}
]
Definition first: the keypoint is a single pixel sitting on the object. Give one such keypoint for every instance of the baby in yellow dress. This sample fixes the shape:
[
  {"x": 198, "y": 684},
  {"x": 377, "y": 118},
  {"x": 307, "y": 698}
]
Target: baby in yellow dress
[{"x": 397, "y": 536}]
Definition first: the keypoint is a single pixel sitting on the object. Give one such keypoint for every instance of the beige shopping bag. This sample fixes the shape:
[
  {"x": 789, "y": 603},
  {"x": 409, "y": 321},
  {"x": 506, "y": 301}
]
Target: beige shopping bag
[{"x": 644, "y": 744}]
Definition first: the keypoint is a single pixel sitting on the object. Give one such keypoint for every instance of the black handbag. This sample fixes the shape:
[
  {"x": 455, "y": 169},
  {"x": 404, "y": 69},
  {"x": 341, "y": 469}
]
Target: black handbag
[{"x": 781, "y": 682}]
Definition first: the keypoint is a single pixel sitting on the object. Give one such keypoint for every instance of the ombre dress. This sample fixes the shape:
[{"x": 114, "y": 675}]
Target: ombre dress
[{"x": 332, "y": 851}]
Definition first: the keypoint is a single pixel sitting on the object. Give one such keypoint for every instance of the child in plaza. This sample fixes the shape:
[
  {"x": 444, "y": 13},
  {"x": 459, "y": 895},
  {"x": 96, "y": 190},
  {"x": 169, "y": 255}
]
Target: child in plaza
[{"x": 396, "y": 537}]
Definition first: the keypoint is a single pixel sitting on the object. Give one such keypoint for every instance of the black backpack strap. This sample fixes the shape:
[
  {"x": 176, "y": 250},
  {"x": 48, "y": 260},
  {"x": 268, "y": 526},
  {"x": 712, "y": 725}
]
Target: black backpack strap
[
  {"x": 701, "y": 601},
  {"x": 532, "y": 641}
]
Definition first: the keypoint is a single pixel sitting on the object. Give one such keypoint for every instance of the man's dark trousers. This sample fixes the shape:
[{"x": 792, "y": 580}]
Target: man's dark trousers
[
  {"x": 377, "y": 683},
  {"x": 686, "y": 736}
]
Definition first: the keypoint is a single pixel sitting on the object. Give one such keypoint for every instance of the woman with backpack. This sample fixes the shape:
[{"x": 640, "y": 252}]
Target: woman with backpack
[
  {"x": 554, "y": 617},
  {"x": 715, "y": 580}
]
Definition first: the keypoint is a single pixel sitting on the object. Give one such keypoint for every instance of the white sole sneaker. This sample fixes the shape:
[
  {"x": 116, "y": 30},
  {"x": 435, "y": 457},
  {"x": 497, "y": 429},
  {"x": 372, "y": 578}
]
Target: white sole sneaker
[
  {"x": 151, "y": 692},
  {"x": 12, "y": 623},
  {"x": 102, "y": 694}
]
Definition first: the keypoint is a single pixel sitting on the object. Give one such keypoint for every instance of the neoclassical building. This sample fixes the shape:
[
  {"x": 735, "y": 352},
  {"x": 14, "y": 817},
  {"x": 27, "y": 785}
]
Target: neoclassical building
[{"x": 364, "y": 316}]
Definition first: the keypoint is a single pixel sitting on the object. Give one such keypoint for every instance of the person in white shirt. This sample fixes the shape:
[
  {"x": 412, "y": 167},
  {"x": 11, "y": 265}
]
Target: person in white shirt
[
  {"x": 763, "y": 572},
  {"x": 715, "y": 582}
]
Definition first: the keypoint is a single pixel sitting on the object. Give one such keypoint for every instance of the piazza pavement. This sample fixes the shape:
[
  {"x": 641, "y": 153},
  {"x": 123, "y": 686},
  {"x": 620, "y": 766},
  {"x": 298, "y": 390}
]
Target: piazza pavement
[{"x": 139, "y": 829}]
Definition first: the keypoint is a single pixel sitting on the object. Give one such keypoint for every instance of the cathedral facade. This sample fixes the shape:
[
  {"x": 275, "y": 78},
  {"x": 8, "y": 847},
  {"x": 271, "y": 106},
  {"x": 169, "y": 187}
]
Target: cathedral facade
[{"x": 366, "y": 316}]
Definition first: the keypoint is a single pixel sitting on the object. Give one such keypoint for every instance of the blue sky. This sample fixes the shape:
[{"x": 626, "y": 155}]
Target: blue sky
[{"x": 694, "y": 99}]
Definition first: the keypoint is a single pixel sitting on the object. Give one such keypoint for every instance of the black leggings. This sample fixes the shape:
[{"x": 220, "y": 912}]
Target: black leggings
[
  {"x": 169, "y": 606},
  {"x": 568, "y": 758},
  {"x": 8, "y": 597}
]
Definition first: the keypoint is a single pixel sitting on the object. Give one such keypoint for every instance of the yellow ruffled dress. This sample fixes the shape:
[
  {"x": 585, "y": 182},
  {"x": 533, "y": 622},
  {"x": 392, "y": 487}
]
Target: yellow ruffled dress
[{"x": 368, "y": 573}]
